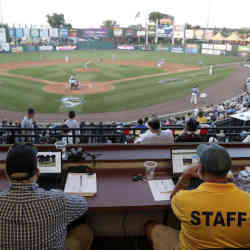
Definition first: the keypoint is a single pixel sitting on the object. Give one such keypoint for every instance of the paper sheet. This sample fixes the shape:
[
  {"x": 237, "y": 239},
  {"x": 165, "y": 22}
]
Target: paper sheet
[
  {"x": 81, "y": 183},
  {"x": 161, "y": 189}
]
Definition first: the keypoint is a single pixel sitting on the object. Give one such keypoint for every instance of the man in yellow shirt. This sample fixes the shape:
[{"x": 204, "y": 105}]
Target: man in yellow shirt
[
  {"x": 214, "y": 215},
  {"x": 201, "y": 118}
]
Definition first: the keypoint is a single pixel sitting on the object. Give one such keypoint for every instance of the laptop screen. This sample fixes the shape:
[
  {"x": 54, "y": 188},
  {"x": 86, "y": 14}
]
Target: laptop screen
[
  {"x": 182, "y": 158},
  {"x": 49, "y": 162}
]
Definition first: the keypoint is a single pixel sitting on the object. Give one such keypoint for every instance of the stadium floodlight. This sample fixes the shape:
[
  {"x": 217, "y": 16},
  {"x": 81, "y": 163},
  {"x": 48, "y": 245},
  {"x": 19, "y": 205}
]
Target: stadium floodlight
[
  {"x": 1, "y": 12},
  {"x": 208, "y": 12}
]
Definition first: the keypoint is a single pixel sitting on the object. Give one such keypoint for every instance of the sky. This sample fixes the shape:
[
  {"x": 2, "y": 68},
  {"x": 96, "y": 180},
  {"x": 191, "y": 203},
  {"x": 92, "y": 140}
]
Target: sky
[{"x": 91, "y": 13}]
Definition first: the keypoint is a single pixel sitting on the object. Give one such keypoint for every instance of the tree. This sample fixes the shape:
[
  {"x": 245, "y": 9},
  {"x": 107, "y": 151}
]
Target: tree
[
  {"x": 58, "y": 21},
  {"x": 154, "y": 16},
  {"x": 109, "y": 24},
  {"x": 3, "y": 25},
  {"x": 197, "y": 27}
]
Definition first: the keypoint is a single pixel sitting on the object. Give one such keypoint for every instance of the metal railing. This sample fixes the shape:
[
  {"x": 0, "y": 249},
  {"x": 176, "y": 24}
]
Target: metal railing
[{"x": 106, "y": 134}]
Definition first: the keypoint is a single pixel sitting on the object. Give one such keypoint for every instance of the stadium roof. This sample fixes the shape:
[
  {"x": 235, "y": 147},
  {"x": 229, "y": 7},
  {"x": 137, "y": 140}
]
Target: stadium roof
[
  {"x": 233, "y": 37},
  {"x": 218, "y": 37}
]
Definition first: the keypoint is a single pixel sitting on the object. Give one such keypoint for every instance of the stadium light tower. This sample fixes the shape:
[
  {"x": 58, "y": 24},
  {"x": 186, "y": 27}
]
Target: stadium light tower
[
  {"x": 1, "y": 12},
  {"x": 208, "y": 12}
]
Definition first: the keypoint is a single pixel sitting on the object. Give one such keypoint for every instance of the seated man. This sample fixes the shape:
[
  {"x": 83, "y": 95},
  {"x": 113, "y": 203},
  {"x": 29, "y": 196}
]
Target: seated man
[
  {"x": 155, "y": 135},
  {"x": 214, "y": 215},
  {"x": 32, "y": 218},
  {"x": 189, "y": 134}
]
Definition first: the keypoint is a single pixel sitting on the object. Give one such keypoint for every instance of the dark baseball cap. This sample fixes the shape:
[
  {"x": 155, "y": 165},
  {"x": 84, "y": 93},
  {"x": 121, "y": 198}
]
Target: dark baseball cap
[
  {"x": 215, "y": 159},
  {"x": 21, "y": 158}
]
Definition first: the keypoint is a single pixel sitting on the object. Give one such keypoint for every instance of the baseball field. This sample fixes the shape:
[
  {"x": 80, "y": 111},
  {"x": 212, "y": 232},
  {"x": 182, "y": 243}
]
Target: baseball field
[{"x": 111, "y": 81}]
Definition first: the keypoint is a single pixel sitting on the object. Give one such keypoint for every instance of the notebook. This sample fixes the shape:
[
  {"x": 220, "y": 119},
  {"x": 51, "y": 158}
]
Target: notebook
[{"x": 82, "y": 184}]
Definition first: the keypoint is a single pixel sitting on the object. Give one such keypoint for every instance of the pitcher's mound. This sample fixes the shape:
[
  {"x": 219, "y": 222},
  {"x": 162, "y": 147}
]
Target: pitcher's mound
[{"x": 82, "y": 70}]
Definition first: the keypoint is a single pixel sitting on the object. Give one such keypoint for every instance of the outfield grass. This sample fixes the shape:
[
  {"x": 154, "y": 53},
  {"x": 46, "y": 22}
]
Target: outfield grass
[
  {"x": 120, "y": 55},
  {"x": 18, "y": 94},
  {"x": 107, "y": 72}
]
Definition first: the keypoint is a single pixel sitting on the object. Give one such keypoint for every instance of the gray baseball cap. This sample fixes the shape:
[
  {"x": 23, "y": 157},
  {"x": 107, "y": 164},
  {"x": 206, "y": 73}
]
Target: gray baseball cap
[{"x": 215, "y": 159}]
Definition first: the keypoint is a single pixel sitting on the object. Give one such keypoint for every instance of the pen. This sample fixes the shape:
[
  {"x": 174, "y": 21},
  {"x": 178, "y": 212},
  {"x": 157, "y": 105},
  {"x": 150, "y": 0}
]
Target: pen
[{"x": 80, "y": 180}]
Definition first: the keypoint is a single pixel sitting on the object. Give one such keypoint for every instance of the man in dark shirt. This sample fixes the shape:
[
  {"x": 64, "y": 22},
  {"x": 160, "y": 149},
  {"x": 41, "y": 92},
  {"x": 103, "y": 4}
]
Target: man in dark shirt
[
  {"x": 189, "y": 134},
  {"x": 33, "y": 218}
]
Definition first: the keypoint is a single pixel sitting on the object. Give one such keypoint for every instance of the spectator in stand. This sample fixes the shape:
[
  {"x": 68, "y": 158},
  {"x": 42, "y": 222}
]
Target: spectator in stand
[
  {"x": 27, "y": 123},
  {"x": 190, "y": 132},
  {"x": 66, "y": 134},
  {"x": 221, "y": 110},
  {"x": 141, "y": 126},
  {"x": 213, "y": 121},
  {"x": 33, "y": 218},
  {"x": 72, "y": 123},
  {"x": 201, "y": 118},
  {"x": 179, "y": 121},
  {"x": 188, "y": 116},
  {"x": 155, "y": 135},
  {"x": 216, "y": 215}
]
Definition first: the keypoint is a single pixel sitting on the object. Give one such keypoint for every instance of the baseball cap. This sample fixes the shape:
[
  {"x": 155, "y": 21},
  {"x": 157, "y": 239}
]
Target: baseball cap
[
  {"x": 21, "y": 158},
  {"x": 214, "y": 158}
]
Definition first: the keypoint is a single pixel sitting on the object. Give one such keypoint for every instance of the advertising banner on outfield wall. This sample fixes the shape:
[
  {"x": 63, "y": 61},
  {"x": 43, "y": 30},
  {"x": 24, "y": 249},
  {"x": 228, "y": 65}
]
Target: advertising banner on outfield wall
[
  {"x": 189, "y": 34},
  {"x": 177, "y": 50},
  {"x": 125, "y": 47},
  {"x": 29, "y": 48},
  {"x": 207, "y": 46},
  {"x": 44, "y": 33},
  {"x": 54, "y": 33},
  {"x": 212, "y": 52},
  {"x": 66, "y": 48},
  {"x": 34, "y": 33},
  {"x": 17, "y": 50},
  {"x": 219, "y": 46},
  {"x": 192, "y": 50},
  {"x": 19, "y": 33},
  {"x": 26, "y": 33},
  {"x": 3, "y": 38},
  {"x": 165, "y": 30},
  {"x": 117, "y": 32},
  {"x": 73, "y": 33},
  {"x": 64, "y": 33},
  {"x": 222, "y": 47},
  {"x": 141, "y": 33},
  {"x": 229, "y": 47},
  {"x": 192, "y": 45},
  {"x": 12, "y": 33},
  {"x": 93, "y": 33},
  {"x": 46, "y": 48},
  {"x": 244, "y": 49},
  {"x": 130, "y": 32},
  {"x": 167, "y": 20},
  {"x": 4, "y": 47}
]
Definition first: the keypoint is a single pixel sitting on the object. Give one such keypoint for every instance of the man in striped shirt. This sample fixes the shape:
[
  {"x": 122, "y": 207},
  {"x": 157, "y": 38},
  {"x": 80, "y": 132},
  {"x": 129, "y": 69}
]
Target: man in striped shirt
[{"x": 33, "y": 218}]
